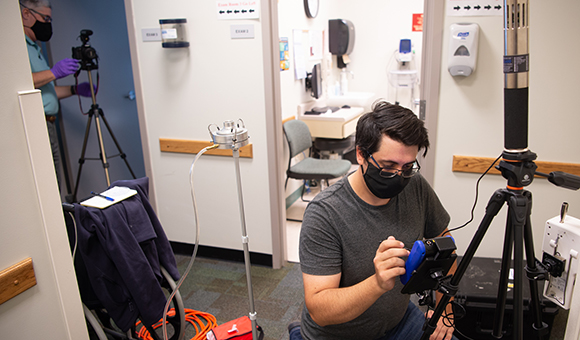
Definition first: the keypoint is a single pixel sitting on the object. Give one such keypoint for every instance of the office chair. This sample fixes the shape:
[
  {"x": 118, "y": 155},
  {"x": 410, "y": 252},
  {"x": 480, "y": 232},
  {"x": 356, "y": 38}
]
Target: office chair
[{"x": 300, "y": 140}]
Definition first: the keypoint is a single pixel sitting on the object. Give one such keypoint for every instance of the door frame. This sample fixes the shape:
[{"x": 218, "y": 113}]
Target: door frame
[{"x": 433, "y": 18}]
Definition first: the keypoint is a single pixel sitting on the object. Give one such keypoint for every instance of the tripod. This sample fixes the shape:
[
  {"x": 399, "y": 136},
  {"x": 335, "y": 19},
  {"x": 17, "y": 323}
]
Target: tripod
[
  {"x": 519, "y": 170},
  {"x": 97, "y": 113}
]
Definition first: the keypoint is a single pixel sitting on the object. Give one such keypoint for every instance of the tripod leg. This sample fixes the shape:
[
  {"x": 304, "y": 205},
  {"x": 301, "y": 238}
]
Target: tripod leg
[
  {"x": 503, "y": 280},
  {"x": 96, "y": 111},
  {"x": 118, "y": 146},
  {"x": 533, "y": 273},
  {"x": 518, "y": 214},
  {"x": 102, "y": 147},
  {"x": 519, "y": 205},
  {"x": 493, "y": 206},
  {"x": 82, "y": 158}
]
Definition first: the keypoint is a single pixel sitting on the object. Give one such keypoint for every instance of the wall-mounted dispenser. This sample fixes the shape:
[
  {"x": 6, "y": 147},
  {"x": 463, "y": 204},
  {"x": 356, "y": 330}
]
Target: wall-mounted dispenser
[
  {"x": 463, "y": 49},
  {"x": 340, "y": 39},
  {"x": 173, "y": 32}
]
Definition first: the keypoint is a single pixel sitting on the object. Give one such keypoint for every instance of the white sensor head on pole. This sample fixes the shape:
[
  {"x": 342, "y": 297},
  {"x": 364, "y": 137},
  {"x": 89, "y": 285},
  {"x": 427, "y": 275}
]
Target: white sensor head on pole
[{"x": 230, "y": 136}]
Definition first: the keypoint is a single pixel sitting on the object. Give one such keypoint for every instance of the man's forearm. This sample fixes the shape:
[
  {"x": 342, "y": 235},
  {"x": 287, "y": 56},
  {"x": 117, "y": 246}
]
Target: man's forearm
[
  {"x": 63, "y": 91},
  {"x": 340, "y": 305},
  {"x": 42, "y": 78}
]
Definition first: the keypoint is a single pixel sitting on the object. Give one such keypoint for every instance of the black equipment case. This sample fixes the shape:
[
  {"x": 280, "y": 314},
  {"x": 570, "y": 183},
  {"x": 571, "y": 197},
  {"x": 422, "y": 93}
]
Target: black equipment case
[{"x": 477, "y": 295}]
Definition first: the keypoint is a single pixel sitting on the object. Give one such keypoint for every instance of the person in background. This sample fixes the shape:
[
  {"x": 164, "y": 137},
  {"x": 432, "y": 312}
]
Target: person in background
[
  {"x": 37, "y": 23},
  {"x": 355, "y": 233}
]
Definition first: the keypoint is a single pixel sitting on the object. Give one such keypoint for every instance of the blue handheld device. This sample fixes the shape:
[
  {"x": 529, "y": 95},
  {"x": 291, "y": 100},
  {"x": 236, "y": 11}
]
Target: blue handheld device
[
  {"x": 415, "y": 258},
  {"x": 437, "y": 248}
]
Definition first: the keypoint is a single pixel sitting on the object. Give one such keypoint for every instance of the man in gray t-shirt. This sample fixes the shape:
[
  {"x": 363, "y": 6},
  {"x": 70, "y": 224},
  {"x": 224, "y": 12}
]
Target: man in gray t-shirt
[{"x": 354, "y": 235}]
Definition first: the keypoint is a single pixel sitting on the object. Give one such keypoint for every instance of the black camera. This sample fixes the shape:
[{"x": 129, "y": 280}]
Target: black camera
[{"x": 85, "y": 53}]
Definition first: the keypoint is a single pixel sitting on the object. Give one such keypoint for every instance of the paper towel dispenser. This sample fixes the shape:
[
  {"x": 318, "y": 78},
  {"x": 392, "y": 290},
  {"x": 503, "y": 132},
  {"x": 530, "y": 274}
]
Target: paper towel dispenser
[{"x": 340, "y": 36}]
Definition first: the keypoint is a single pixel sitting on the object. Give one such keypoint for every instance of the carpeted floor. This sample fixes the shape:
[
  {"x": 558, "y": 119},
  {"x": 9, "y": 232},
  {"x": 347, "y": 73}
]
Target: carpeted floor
[{"x": 219, "y": 287}]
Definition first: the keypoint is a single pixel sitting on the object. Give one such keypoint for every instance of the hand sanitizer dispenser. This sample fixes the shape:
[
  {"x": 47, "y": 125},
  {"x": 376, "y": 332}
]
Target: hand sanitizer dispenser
[{"x": 463, "y": 49}]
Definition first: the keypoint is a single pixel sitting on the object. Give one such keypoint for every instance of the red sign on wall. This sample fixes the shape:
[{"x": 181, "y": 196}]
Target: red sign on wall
[{"x": 418, "y": 22}]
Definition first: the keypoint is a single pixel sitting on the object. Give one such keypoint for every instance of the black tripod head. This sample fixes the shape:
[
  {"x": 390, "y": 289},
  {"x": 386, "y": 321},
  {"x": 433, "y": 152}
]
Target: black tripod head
[{"x": 518, "y": 168}]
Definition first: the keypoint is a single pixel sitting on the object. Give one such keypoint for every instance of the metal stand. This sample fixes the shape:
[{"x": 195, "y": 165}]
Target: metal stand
[
  {"x": 98, "y": 114},
  {"x": 245, "y": 241},
  {"x": 233, "y": 136},
  {"x": 519, "y": 170}
]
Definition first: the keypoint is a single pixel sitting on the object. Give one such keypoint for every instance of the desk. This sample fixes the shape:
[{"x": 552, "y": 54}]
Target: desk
[{"x": 339, "y": 124}]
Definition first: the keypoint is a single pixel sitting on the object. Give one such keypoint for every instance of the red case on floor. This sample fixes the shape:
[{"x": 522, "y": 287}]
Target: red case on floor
[{"x": 239, "y": 329}]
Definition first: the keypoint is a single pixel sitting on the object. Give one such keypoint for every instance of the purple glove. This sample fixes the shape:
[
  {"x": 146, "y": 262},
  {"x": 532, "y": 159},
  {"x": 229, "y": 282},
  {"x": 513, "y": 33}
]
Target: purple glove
[
  {"x": 65, "y": 67},
  {"x": 84, "y": 89}
]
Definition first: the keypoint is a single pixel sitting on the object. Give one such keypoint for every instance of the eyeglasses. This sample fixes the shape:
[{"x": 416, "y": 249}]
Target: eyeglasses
[
  {"x": 46, "y": 18},
  {"x": 408, "y": 171}
]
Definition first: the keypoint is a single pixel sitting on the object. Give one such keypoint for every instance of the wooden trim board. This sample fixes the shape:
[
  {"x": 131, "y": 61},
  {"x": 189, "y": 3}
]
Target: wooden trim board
[
  {"x": 16, "y": 279},
  {"x": 195, "y": 146},
  {"x": 288, "y": 119},
  {"x": 480, "y": 164}
]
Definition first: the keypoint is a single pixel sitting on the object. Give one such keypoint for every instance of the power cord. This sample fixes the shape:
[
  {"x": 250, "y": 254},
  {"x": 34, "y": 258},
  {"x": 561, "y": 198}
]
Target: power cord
[
  {"x": 202, "y": 322},
  {"x": 449, "y": 319},
  {"x": 476, "y": 196},
  {"x": 166, "y": 309}
]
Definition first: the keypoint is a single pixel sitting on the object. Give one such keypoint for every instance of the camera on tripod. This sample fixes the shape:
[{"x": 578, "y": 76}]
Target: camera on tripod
[{"x": 85, "y": 53}]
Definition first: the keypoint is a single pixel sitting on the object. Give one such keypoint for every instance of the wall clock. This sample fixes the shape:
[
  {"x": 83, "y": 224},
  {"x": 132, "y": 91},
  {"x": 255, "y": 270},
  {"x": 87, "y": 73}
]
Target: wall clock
[{"x": 311, "y": 8}]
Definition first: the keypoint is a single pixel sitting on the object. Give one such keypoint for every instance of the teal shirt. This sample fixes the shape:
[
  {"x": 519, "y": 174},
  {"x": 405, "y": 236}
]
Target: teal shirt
[{"x": 37, "y": 64}]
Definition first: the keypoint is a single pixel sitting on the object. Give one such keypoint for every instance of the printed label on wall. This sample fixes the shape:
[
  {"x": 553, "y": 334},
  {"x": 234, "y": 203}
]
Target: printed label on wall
[
  {"x": 284, "y": 54},
  {"x": 417, "y": 22},
  {"x": 234, "y": 10},
  {"x": 474, "y": 7}
]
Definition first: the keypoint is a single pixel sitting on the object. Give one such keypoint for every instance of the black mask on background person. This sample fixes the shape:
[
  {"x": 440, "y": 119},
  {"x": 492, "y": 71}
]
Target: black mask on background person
[
  {"x": 42, "y": 30},
  {"x": 383, "y": 187}
]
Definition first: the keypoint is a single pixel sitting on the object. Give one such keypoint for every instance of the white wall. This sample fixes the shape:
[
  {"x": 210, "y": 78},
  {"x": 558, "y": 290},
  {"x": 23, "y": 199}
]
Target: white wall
[
  {"x": 183, "y": 91},
  {"x": 30, "y": 209},
  {"x": 471, "y": 119}
]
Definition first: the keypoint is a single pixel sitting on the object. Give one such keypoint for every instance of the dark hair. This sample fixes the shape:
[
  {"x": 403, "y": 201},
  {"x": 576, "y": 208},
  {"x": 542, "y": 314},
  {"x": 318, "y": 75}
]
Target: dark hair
[{"x": 397, "y": 122}]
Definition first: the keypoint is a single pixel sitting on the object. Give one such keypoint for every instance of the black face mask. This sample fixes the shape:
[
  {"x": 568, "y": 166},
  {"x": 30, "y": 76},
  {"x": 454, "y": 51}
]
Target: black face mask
[
  {"x": 42, "y": 30},
  {"x": 383, "y": 187}
]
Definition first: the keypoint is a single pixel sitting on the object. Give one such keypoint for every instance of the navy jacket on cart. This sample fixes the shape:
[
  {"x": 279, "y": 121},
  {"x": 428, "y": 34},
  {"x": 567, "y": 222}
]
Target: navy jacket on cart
[{"x": 122, "y": 247}]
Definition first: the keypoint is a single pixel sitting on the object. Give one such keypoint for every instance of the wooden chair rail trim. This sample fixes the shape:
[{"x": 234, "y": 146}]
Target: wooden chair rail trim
[
  {"x": 16, "y": 279},
  {"x": 195, "y": 146},
  {"x": 480, "y": 164},
  {"x": 288, "y": 119}
]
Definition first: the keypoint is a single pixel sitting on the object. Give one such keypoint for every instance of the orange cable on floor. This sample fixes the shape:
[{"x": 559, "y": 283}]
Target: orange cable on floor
[{"x": 193, "y": 317}]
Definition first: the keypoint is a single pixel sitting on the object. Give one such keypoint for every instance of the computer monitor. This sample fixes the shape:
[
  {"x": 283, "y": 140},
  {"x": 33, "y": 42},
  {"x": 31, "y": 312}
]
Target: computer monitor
[{"x": 314, "y": 81}]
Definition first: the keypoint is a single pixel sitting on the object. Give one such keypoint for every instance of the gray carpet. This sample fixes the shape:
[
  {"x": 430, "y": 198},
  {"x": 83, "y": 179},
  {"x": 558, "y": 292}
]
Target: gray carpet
[{"x": 219, "y": 288}]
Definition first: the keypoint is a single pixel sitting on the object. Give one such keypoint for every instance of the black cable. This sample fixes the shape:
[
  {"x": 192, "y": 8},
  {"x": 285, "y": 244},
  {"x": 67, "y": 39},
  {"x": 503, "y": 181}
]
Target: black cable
[
  {"x": 449, "y": 319},
  {"x": 476, "y": 196}
]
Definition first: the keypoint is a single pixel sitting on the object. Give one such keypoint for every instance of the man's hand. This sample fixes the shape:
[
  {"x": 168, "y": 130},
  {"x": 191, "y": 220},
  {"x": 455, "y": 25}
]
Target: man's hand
[
  {"x": 388, "y": 263},
  {"x": 64, "y": 68},
  {"x": 442, "y": 332},
  {"x": 330, "y": 304},
  {"x": 84, "y": 89}
]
